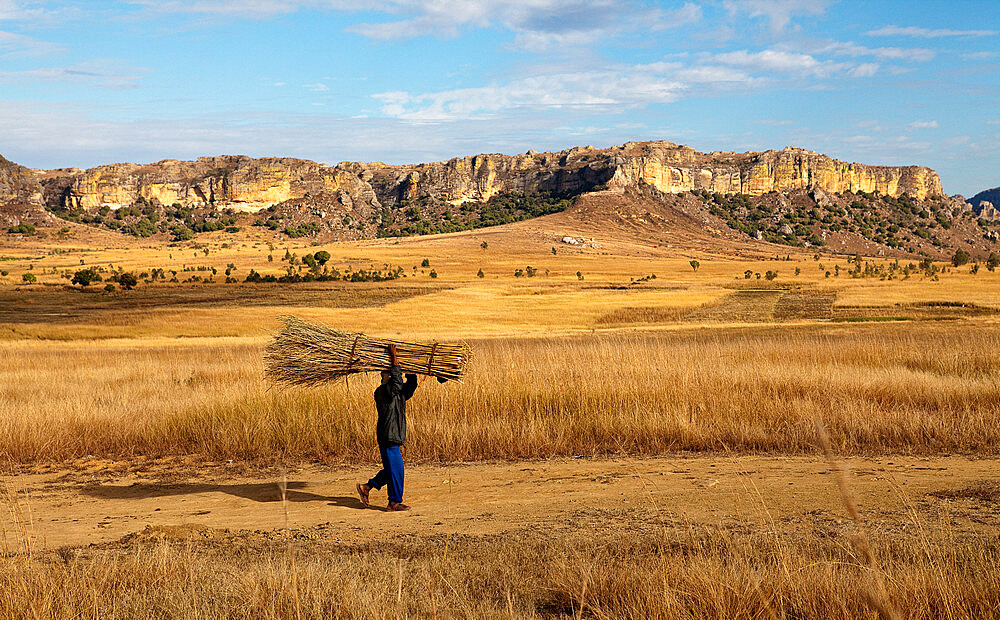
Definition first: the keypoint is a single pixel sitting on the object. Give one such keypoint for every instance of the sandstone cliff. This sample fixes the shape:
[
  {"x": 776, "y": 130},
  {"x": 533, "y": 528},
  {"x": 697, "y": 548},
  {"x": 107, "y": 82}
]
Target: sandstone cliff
[
  {"x": 20, "y": 196},
  {"x": 672, "y": 168},
  {"x": 985, "y": 203},
  {"x": 236, "y": 182},
  {"x": 249, "y": 184}
]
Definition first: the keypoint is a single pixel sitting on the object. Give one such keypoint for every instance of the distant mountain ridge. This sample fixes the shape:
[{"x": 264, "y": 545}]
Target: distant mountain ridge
[
  {"x": 792, "y": 196},
  {"x": 250, "y": 184}
]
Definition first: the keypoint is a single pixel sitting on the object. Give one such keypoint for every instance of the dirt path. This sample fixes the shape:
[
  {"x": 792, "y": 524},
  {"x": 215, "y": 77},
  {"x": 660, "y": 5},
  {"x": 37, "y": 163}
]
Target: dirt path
[{"x": 98, "y": 502}]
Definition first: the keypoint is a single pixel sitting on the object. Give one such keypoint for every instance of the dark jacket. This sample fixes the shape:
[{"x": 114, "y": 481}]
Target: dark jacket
[{"x": 390, "y": 401}]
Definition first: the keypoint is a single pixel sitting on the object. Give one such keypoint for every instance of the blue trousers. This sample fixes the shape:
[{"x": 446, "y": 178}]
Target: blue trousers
[{"x": 391, "y": 474}]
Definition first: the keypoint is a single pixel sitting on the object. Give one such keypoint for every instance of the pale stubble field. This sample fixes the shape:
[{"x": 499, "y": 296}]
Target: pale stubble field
[{"x": 692, "y": 363}]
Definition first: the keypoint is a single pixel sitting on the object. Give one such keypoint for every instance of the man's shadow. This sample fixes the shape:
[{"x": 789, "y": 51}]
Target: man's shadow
[{"x": 258, "y": 492}]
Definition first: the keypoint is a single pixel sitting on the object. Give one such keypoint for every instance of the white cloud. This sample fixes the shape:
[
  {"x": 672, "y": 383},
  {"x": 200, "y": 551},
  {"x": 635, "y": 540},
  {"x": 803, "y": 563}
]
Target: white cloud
[
  {"x": 609, "y": 88},
  {"x": 852, "y": 49},
  {"x": 927, "y": 33},
  {"x": 980, "y": 55},
  {"x": 19, "y": 45},
  {"x": 778, "y": 12},
  {"x": 251, "y": 9},
  {"x": 923, "y": 125},
  {"x": 864, "y": 70},
  {"x": 690, "y": 13},
  {"x": 100, "y": 73},
  {"x": 537, "y": 24},
  {"x": 317, "y": 87},
  {"x": 778, "y": 61},
  {"x": 14, "y": 11}
]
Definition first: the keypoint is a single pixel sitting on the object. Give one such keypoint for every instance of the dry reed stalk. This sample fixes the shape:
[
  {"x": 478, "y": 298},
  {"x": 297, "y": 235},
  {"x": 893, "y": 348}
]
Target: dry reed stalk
[
  {"x": 309, "y": 354},
  {"x": 877, "y": 596}
]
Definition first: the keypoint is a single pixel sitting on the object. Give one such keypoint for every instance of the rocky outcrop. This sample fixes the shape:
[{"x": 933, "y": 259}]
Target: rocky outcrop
[
  {"x": 248, "y": 184},
  {"x": 20, "y": 196},
  {"x": 987, "y": 211},
  {"x": 671, "y": 168},
  {"x": 236, "y": 182},
  {"x": 991, "y": 197},
  {"x": 480, "y": 177},
  {"x": 666, "y": 166}
]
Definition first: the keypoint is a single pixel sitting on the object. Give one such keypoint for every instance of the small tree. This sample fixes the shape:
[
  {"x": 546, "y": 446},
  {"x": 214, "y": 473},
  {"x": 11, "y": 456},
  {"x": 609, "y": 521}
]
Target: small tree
[
  {"x": 321, "y": 257},
  {"x": 747, "y": 274},
  {"x": 993, "y": 261},
  {"x": 694, "y": 264},
  {"x": 553, "y": 251},
  {"x": 23, "y": 228},
  {"x": 480, "y": 274},
  {"x": 960, "y": 258},
  {"x": 425, "y": 263},
  {"x": 433, "y": 273},
  {"x": 109, "y": 288},
  {"x": 84, "y": 277},
  {"x": 29, "y": 278},
  {"x": 127, "y": 280},
  {"x": 579, "y": 275},
  {"x": 484, "y": 245}
]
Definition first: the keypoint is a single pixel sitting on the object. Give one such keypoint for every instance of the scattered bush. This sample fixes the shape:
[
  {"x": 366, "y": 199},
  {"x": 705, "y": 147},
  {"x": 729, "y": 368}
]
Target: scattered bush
[
  {"x": 22, "y": 229},
  {"x": 85, "y": 277}
]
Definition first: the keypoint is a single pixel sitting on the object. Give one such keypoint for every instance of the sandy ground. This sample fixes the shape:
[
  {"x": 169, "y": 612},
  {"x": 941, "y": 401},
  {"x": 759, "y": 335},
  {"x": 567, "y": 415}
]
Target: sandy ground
[{"x": 99, "y": 502}]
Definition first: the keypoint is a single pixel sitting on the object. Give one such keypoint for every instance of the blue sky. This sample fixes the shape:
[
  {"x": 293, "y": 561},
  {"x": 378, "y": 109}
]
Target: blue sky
[{"x": 886, "y": 82}]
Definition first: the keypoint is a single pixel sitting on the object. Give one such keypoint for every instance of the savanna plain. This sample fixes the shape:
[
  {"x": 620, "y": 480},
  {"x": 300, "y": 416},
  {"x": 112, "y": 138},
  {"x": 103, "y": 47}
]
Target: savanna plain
[{"x": 709, "y": 442}]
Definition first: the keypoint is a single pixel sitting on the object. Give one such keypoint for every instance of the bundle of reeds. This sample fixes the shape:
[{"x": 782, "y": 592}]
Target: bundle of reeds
[{"x": 309, "y": 354}]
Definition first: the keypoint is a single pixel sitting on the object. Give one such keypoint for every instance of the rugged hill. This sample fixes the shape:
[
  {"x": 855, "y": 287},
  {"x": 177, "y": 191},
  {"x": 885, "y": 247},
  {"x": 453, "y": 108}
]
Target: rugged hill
[
  {"x": 991, "y": 210},
  {"x": 251, "y": 184},
  {"x": 20, "y": 196},
  {"x": 791, "y": 197}
]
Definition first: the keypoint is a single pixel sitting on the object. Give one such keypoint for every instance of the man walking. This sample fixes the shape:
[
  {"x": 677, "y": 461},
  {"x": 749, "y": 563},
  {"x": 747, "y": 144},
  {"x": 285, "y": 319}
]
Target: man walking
[{"x": 390, "y": 401}]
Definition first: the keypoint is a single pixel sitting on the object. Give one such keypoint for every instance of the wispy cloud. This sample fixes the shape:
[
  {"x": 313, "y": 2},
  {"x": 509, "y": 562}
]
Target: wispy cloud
[
  {"x": 250, "y": 9},
  {"x": 96, "y": 73},
  {"x": 923, "y": 125},
  {"x": 614, "y": 88},
  {"x": 779, "y": 13},
  {"x": 15, "y": 11},
  {"x": 778, "y": 61},
  {"x": 606, "y": 89},
  {"x": 980, "y": 55},
  {"x": 927, "y": 33},
  {"x": 12, "y": 45},
  {"x": 849, "y": 48}
]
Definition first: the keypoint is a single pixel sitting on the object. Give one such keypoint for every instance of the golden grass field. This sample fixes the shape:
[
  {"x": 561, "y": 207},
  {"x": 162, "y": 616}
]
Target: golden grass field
[{"x": 695, "y": 362}]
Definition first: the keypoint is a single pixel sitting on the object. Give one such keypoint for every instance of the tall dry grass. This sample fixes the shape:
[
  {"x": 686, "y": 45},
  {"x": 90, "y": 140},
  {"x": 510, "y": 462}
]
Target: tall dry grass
[
  {"x": 920, "y": 388},
  {"x": 670, "y": 572}
]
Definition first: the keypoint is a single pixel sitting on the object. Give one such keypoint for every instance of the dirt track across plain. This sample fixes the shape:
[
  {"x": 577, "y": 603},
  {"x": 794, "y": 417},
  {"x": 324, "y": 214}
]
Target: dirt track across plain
[{"x": 99, "y": 502}]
